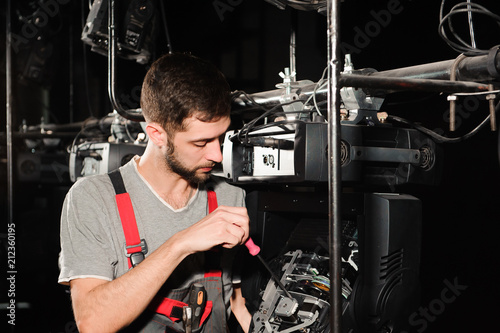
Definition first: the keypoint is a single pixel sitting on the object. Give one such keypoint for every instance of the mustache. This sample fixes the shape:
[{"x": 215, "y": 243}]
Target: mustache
[{"x": 208, "y": 165}]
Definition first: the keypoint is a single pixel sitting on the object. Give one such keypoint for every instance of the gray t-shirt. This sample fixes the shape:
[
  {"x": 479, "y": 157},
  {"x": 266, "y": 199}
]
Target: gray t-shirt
[{"x": 92, "y": 238}]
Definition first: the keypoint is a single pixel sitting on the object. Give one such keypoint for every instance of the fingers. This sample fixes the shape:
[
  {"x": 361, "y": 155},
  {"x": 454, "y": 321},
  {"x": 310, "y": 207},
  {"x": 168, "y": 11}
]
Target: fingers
[
  {"x": 226, "y": 226},
  {"x": 235, "y": 235},
  {"x": 233, "y": 223},
  {"x": 237, "y": 220}
]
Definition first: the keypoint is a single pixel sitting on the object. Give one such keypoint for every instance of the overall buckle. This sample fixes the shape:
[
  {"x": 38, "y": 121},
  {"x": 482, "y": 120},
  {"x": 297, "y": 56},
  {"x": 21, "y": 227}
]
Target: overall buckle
[{"x": 137, "y": 257}]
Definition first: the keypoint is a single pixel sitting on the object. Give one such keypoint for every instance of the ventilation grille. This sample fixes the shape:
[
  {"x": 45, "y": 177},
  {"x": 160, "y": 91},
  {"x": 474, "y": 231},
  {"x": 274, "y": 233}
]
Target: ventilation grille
[
  {"x": 426, "y": 157},
  {"x": 344, "y": 152},
  {"x": 390, "y": 265}
]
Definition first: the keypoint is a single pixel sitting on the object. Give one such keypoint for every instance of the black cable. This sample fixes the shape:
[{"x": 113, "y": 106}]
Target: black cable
[
  {"x": 439, "y": 138},
  {"x": 87, "y": 125},
  {"x": 238, "y": 93},
  {"x": 285, "y": 131},
  {"x": 285, "y": 113},
  {"x": 460, "y": 45},
  {"x": 248, "y": 127},
  {"x": 165, "y": 27},
  {"x": 278, "y": 124}
]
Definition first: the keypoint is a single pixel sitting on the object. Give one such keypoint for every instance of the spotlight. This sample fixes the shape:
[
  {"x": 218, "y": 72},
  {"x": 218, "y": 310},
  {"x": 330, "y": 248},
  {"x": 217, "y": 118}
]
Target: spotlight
[{"x": 135, "y": 29}]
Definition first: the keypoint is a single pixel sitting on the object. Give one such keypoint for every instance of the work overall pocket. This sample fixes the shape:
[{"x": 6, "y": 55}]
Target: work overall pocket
[{"x": 212, "y": 318}]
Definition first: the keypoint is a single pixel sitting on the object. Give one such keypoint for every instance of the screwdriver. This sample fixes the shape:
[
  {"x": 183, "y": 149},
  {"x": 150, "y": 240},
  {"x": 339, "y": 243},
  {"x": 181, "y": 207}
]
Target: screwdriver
[
  {"x": 197, "y": 301},
  {"x": 196, "y": 306},
  {"x": 254, "y": 250}
]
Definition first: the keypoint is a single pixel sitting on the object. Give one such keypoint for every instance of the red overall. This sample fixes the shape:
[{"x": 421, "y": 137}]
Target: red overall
[{"x": 214, "y": 316}]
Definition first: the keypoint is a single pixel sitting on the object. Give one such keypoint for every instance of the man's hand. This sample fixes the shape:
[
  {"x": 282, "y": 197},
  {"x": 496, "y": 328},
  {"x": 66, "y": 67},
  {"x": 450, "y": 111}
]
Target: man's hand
[{"x": 226, "y": 226}]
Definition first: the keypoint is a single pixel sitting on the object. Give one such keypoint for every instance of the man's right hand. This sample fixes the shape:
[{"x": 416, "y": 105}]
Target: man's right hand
[{"x": 225, "y": 226}]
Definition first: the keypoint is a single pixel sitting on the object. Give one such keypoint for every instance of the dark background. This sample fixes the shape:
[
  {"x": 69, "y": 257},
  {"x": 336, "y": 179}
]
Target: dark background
[{"x": 249, "y": 41}]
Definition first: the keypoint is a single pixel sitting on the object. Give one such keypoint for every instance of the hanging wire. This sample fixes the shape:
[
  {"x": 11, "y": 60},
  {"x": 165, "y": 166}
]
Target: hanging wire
[
  {"x": 319, "y": 85},
  {"x": 454, "y": 40},
  {"x": 439, "y": 138},
  {"x": 165, "y": 27},
  {"x": 471, "y": 26}
]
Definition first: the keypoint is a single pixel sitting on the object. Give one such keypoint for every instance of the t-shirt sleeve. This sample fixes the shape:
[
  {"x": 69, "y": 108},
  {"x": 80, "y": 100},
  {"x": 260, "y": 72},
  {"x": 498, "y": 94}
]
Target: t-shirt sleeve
[{"x": 85, "y": 237}]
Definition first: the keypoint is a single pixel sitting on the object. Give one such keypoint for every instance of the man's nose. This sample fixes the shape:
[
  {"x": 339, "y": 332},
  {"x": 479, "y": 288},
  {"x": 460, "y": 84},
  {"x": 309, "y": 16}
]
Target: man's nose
[{"x": 214, "y": 152}]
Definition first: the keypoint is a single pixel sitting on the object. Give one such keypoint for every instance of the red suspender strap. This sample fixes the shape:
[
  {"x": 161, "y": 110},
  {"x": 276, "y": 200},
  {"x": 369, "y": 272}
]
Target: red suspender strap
[
  {"x": 128, "y": 222},
  {"x": 212, "y": 200},
  {"x": 173, "y": 309},
  {"x": 168, "y": 307},
  {"x": 212, "y": 205},
  {"x": 135, "y": 247}
]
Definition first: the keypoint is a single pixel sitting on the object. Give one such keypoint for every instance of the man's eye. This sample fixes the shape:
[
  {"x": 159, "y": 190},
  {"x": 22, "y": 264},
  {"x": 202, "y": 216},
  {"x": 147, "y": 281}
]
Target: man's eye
[{"x": 200, "y": 144}]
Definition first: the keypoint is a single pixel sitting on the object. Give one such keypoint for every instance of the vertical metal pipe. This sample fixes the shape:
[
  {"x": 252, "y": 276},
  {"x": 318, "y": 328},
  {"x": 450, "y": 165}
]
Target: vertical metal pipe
[
  {"x": 491, "y": 101},
  {"x": 71, "y": 104},
  {"x": 112, "y": 44},
  {"x": 452, "y": 99},
  {"x": 134, "y": 114},
  {"x": 8, "y": 112},
  {"x": 334, "y": 183}
]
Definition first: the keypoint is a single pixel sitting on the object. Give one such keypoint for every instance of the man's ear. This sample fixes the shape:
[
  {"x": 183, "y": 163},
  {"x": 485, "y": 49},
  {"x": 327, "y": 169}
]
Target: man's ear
[{"x": 156, "y": 134}]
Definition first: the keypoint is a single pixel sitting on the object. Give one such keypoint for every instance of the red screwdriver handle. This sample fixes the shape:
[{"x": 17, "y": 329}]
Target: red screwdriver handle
[{"x": 252, "y": 248}]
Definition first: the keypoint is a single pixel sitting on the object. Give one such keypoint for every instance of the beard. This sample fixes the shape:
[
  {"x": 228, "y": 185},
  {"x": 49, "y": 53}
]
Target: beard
[{"x": 189, "y": 174}]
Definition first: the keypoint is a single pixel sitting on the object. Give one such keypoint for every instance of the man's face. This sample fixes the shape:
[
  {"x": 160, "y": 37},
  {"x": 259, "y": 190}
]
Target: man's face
[{"x": 194, "y": 152}]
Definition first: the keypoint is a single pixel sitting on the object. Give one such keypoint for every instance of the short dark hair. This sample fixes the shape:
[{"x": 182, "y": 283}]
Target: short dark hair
[{"x": 180, "y": 85}]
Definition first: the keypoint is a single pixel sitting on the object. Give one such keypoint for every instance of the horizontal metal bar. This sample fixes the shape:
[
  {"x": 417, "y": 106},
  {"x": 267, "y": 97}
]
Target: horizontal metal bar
[
  {"x": 375, "y": 85},
  {"x": 385, "y": 84},
  {"x": 383, "y": 154},
  {"x": 478, "y": 68}
]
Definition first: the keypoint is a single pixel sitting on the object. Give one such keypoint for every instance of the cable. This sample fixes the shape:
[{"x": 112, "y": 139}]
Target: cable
[
  {"x": 471, "y": 27},
  {"x": 165, "y": 27},
  {"x": 477, "y": 93},
  {"x": 251, "y": 125},
  {"x": 238, "y": 93},
  {"x": 274, "y": 124},
  {"x": 85, "y": 127},
  {"x": 459, "y": 44},
  {"x": 320, "y": 84},
  {"x": 243, "y": 134},
  {"x": 440, "y": 138}
]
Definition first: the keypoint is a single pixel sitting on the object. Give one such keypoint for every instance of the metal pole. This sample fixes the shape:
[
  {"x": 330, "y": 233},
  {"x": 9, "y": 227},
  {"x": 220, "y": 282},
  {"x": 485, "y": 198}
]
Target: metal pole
[
  {"x": 133, "y": 114},
  {"x": 377, "y": 85},
  {"x": 8, "y": 122},
  {"x": 477, "y": 69},
  {"x": 8, "y": 111},
  {"x": 374, "y": 85},
  {"x": 334, "y": 177}
]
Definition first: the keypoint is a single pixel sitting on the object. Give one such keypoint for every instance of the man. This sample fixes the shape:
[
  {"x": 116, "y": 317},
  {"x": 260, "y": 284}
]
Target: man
[{"x": 186, "y": 104}]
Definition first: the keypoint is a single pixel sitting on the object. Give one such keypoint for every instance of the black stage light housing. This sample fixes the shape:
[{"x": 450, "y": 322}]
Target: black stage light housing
[{"x": 136, "y": 27}]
